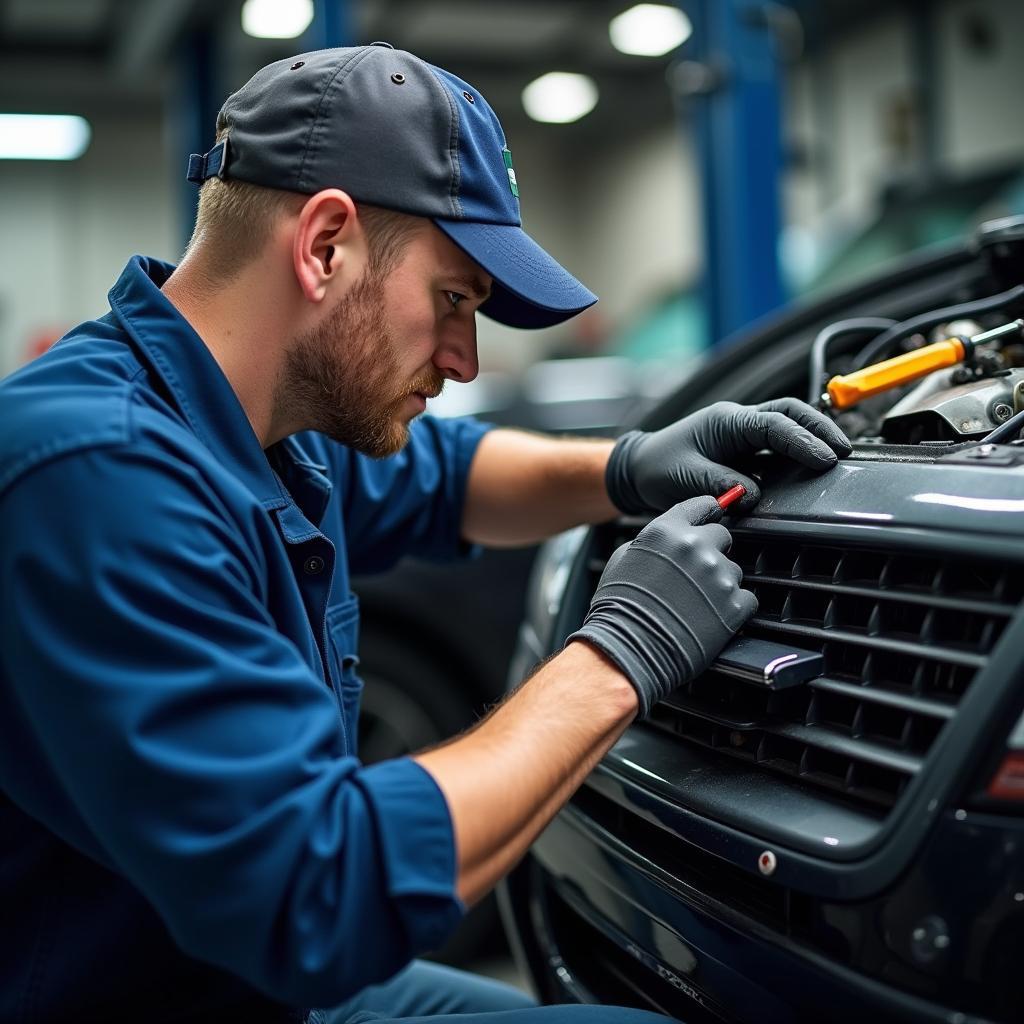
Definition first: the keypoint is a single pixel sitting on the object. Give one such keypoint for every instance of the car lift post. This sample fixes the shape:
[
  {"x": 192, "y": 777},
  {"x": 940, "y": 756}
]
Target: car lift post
[
  {"x": 194, "y": 114},
  {"x": 331, "y": 25},
  {"x": 202, "y": 90},
  {"x": 738, "y": 136}
]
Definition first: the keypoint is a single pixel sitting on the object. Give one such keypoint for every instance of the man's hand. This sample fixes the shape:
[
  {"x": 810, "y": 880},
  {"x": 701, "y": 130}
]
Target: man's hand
[
  {"x": 650, "y": 472},
  {"x": 668, "y": 602}
]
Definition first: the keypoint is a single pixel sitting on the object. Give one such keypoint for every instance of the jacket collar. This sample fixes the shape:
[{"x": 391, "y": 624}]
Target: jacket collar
[{"x": 193, "y": 377}]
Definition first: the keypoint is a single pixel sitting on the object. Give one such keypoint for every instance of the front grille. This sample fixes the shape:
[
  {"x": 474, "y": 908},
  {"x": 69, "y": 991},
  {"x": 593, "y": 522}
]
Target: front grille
[
  {"x": 902, "y": 634},
  {"x": 784, "y": 910}
]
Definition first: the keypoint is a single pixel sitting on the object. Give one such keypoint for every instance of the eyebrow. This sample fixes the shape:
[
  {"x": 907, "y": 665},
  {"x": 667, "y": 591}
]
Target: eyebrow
[{"x": 474, "y": 286}]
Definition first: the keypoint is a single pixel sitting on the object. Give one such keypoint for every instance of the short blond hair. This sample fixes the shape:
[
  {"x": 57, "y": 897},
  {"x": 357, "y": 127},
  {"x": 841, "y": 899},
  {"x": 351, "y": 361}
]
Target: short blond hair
[{"x": 235, "y": 220}]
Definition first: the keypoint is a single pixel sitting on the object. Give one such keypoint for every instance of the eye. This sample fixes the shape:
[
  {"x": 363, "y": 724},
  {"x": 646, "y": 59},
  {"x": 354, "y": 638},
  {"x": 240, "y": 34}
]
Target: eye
[{"x": 454, "y": 298}]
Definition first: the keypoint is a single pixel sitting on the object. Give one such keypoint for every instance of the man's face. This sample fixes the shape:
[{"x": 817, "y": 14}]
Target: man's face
[{"x": 366, "y": 370}]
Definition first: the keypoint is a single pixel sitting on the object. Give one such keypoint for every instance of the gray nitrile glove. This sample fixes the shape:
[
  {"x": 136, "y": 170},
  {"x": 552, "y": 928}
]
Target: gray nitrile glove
[
  {"x": 669, "y": 601},
  {"x": 650, "y": 472}
]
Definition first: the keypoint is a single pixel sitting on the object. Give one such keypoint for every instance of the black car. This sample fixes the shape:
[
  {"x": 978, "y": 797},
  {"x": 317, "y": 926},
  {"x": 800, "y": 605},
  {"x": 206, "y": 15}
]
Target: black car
[{"x": 849, "y": 847}]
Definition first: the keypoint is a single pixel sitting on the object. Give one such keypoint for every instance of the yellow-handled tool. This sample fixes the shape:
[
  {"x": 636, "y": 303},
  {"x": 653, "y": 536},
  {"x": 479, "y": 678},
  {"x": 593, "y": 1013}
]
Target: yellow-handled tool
[{"x": 850, "y": 388}]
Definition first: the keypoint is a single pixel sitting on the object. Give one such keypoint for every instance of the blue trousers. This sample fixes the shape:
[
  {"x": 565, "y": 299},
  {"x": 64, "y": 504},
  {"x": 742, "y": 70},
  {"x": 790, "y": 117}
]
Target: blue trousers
[{"x": 433, "y": 994}]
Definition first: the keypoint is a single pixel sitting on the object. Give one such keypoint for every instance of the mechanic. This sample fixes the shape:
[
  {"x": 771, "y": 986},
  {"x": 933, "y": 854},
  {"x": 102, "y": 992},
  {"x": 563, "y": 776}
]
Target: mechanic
[{"x": 186, "y": 484}]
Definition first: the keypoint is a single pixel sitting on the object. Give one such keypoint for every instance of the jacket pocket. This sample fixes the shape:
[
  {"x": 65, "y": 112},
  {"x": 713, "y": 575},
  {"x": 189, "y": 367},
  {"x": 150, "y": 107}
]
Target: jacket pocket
[{"x": 342, "y": 644}]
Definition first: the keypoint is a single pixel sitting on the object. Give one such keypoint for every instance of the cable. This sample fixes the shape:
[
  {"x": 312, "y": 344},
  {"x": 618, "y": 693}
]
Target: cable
[
  {"x": 825, "y": 338},
  {"x": 1007, "y": 431},
  {"x": 880, "y": 345}
]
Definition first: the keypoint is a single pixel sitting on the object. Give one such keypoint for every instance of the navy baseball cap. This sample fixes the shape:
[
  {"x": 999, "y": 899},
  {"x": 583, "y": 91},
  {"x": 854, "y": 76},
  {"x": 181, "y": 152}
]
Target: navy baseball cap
[{"x": 395, "y": 131}]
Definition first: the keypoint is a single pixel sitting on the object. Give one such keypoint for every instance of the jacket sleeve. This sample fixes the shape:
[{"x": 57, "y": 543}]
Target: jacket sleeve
[
  {"x": 161, "y": 724},
  {"x": 410, "y": 503}
]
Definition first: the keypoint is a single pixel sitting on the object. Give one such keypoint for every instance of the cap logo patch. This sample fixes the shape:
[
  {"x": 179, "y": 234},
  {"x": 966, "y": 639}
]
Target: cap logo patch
[{"x": 512, "y": 184}]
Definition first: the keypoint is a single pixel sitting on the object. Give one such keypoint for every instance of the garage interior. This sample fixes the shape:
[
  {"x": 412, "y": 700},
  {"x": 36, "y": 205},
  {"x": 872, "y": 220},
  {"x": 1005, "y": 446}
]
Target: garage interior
[{"x": 732, "y": 195}]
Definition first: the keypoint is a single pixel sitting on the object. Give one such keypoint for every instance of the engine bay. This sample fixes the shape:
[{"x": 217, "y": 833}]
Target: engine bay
[{"x": 950, "y": 375}]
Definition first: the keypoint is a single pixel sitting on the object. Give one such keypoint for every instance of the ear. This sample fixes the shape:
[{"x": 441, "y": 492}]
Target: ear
[{"x": 328, "y": 247}]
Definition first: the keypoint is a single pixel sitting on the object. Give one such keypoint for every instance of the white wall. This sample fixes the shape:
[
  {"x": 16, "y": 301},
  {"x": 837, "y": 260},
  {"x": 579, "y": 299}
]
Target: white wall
[
  {"x": 625, "y": 218},
  {"x": 641, "y": 221},
  {"x": 871, "y": 76},
  {"x": 67, "y": 229},
  {"x": 548, "y": 209},
  {"x": 625, "y": 221},
  {"x": 982, "y": 91}
]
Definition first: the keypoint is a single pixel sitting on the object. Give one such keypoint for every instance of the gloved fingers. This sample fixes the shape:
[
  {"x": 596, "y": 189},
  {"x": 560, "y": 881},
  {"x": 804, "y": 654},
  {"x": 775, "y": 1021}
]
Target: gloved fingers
[
  {"x": 666, "y": 531},
  {"x": 616, "y": 556},
  {"x": 704, "y": 475},
  {"x": 694, "y": 511},
  {"x": 746, "y": 606},
  {"x": 734, "y": 572},
  {"x": 778, "y": 432},
  {"x": 816, "y": 422},
  {"x": 718, "y": 535},
  {"x": 811, "y": 419}
]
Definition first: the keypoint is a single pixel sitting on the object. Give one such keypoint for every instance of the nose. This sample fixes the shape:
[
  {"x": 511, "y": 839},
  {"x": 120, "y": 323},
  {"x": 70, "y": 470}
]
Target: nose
[{"x": 456, "y": 355}]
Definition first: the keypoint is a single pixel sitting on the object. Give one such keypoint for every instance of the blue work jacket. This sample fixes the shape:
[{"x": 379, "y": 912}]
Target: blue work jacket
[{"x": 185, "y": 828}]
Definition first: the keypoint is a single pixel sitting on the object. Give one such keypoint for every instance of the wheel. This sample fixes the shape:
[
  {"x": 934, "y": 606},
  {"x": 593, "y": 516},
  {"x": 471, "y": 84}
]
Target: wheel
[{"x": 408, "y": 702}]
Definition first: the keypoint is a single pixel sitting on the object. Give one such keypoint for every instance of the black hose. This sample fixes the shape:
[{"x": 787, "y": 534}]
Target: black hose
[
  {"x": 825, "y": 338},
  {"x": 879, "y": 347},
  {"x": 1007, "y": 431}
]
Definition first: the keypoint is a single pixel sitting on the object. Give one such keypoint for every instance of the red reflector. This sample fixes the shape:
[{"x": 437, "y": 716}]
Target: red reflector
[{"x": 1008, "y": 781}]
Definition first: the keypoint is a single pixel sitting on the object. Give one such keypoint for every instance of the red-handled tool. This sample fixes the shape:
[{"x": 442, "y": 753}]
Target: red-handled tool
[{"x": 731, "y": 495}]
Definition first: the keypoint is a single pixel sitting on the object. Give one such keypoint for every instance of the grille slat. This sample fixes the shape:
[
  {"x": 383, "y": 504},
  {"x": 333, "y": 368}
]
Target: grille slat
[
  {"x": 873, "y": 695},
  {"x": 903, "y": 634},
  {"x": 819, "y": 736},
  {"x": 905, "y": 596},
  {"x": 874, "y": 642}
]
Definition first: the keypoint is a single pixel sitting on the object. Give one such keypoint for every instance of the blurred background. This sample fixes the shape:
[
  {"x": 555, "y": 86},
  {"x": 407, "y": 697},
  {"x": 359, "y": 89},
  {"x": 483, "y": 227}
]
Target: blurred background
[
  {"x": 741, "y": 155},
  {"x": 699, "y": 165}
]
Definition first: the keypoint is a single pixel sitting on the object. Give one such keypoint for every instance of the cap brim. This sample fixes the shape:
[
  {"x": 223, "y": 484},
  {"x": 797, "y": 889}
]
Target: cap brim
[{"x": 530, "y": 289}]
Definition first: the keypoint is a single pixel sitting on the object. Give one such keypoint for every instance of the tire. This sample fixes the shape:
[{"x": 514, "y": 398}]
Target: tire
[{"x": 409, "y": 701}]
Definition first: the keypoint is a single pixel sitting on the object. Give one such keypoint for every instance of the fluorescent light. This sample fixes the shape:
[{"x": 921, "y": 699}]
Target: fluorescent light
[
  {"x": 649, "y": 30},
  {"x": 43, "y": 136},
  {"x": 276, "y": 19},
  {"x": 560, "y": 97}
]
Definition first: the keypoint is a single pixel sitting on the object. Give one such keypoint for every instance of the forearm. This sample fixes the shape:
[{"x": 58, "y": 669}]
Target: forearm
[
  {"x": 524, "y": 487},
  {"x": 506, "y": 779}
]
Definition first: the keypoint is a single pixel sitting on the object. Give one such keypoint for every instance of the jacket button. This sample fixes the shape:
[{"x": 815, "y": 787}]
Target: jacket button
[{"x": 314, "y": 565}]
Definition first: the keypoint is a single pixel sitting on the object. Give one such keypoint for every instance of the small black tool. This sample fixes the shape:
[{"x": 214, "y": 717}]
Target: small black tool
[{"x": 771, "y": 665}]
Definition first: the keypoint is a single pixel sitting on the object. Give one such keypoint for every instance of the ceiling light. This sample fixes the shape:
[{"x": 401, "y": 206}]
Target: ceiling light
[
  {"x": 43, "y": 136},
  {"x": 276, "y": 19},
  {"x": 649, "y": 30},
  {"x": 560, "y": 97}
]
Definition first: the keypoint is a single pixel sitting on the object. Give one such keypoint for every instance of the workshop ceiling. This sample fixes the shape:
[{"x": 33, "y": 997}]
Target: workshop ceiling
[{"x": 92, "y": 56}]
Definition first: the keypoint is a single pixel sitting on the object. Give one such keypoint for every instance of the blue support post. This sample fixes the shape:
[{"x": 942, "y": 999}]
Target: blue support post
[
  {"x": 738, "y": 130},
  {"x": 331, "y": 26},
  {"x": 197, "y": 102}
]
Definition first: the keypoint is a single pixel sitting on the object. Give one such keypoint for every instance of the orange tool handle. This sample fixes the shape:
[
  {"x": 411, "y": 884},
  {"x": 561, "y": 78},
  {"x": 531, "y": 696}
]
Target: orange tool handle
[{"x": 851, "y": 388}]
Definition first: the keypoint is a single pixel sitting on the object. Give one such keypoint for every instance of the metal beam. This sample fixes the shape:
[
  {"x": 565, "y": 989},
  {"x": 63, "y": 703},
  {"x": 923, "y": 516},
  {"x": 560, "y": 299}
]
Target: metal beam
[
  {"x": 738, "y": 130},
  {"x": 50, "y": 83},
  {"x": 151, "y": 29},
  {"x": 194, "y": 111}
]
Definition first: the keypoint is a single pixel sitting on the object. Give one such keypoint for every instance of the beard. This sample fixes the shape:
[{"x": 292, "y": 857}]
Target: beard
[{"x": 341, "y": 378}]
